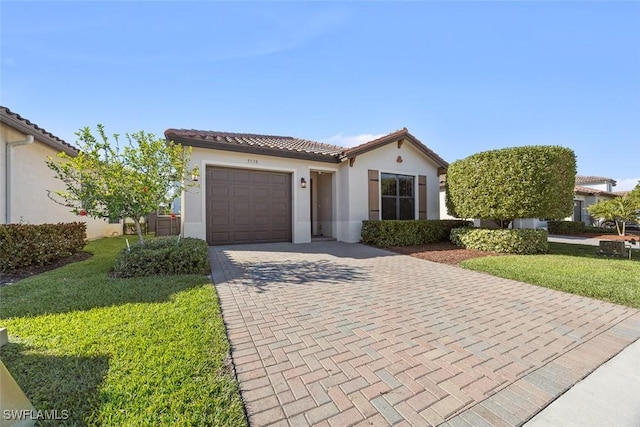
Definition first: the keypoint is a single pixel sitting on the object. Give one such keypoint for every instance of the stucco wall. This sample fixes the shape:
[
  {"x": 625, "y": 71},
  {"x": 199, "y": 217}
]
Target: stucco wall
[
  {"x": 194, "y": 201},
  {"x": 384, "y": 160},
  {"x": 349, "y": 187},
  {"x": 31, "y": 178},
  {"x": 602, "y": 186}
]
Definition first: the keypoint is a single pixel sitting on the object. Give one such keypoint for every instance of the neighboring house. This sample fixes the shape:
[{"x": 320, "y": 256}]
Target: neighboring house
[
  {"x": 25, "y": 177},
  {"x": 588, "y": 190},
  {"x": 260, "y": 188},
  {"x": 443, "y": 198}
]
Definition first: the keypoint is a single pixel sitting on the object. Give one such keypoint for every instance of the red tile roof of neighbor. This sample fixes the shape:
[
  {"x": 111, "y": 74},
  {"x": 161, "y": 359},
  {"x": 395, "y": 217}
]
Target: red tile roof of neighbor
[
  {"x": 287, "y": 146},
  {"x": 25, "y": 126},
  {"x": 588, "y": 179},
  {"x": 589, "y": 190}
]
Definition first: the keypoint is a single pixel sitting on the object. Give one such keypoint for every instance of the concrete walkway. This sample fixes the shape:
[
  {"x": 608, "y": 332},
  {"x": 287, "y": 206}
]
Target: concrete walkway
[
  {"x": 338, "y": 334},
  {"x": 577, "y": 240},
  {"x": 610, "y": 396}
]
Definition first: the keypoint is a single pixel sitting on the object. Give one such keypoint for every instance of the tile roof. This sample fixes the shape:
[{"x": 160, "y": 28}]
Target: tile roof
[
  {"x": 589, "y": 190},
  {"x": 621, "y": 193},
  {"x": 253, "y": 142},
  {"x": 25, "y": 126},
  {"x": 392, "y": 137},
  {"x": 287, "y": 146},
  {"x": 588, "y": 179}
]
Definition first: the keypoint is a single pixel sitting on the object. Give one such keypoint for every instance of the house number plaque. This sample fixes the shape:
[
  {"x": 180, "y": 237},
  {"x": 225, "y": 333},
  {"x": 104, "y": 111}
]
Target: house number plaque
[{"x": 252, "y": 161}]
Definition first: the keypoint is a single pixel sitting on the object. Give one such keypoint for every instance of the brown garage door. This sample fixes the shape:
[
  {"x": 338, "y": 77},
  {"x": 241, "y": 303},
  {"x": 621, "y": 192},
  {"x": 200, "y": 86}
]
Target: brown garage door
[{"x": 246, "y": 206}]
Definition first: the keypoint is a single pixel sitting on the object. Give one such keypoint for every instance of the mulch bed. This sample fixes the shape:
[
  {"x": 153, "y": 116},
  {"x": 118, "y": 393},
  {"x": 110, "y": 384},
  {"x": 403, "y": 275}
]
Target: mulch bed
[
  {"x": 608, "y": 236},
  {"x": 443, "y": 252},
  {"x": 8, "y": 278},
  {"x": 448, "y": 253}
]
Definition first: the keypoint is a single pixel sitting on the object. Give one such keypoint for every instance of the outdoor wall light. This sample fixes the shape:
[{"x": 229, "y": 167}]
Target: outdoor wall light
[
  {"x": 303, "y": 182},
  {"x": 195, "y": 174}
]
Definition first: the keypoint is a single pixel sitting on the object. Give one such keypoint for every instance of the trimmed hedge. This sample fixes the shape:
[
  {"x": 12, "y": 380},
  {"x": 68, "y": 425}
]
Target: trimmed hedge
[
  {"x": 164, "y": 256},
  {"x": 520, "y": 182},
  {"x": 22, "y": 245},
  {"x": 518, "y": 241},
  {"x": 565, "y": 227},
  {"x": 384, "y": 233}
]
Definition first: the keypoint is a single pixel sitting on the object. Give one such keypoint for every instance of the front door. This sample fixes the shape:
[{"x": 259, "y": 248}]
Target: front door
[{"x": 577, "y": 210}]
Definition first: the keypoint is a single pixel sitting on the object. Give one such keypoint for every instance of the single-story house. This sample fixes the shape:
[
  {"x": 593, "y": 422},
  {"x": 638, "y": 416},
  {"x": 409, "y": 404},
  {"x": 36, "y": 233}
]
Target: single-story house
[
  {"x": 25, "y": 178},
  {"x": 587, "y": 191},
  {"x": 263, "y": 188}
]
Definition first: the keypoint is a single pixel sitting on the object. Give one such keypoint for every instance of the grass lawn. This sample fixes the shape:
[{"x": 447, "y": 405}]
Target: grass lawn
[
  {"x": 570, "y": 268},
  {"x": 144, "y": 351}
]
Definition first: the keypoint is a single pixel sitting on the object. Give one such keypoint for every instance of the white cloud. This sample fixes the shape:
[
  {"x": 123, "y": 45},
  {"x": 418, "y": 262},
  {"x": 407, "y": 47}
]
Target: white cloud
[
  {"x": 351, "y": 141},
  {"x": 626, "y": 184}
]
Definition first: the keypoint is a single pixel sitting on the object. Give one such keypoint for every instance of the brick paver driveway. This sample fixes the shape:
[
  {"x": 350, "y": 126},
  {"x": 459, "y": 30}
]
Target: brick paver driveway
[{"x": 338, "y": 334}]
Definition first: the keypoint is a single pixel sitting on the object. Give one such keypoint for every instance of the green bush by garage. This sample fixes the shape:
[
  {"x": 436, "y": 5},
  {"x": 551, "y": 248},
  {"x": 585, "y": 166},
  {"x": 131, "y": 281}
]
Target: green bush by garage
[
  {"x": 22, "y": 245},
  {"x": 385, "y": 233},
  {"x": 164, "y": 256},
  {"x": 512, "y": 241}
]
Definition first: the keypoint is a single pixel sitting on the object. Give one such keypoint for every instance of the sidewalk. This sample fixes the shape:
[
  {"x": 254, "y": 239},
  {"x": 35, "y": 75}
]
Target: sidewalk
[
  {"x": 574, "y": 239},
  {"x": 609, "y": 396}
]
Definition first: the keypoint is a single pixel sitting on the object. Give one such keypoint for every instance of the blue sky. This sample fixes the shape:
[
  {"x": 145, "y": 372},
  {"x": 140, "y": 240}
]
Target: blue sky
[{"x": 463, "y": 77}]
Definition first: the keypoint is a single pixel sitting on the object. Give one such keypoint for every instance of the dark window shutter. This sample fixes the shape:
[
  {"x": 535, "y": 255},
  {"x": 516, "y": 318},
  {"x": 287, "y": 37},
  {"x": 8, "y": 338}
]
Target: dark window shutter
[
  {"x": 374, "y": 195},
  {"x": 422, "y": 197}
]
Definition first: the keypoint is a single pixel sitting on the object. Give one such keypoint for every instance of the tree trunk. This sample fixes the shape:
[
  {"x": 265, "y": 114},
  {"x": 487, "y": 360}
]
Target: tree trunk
[{"x": 136, "y": 222}]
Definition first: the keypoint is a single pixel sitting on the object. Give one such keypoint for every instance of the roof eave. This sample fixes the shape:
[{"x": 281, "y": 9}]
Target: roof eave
[
  {"x": 38, "y": 134},
  {"x": 393, "y": 138},
  {"x": 252, "y": 149}
]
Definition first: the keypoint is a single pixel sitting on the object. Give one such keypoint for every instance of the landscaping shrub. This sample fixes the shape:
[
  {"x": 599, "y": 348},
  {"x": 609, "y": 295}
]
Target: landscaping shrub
[
  {"x": 518, "y": 182},
  {"x": 22, "y": 245},
  {"x": 566, "y": 227},
  {"x": 600, "y": 230},
  {"x": 518, "y": 241},
  {"x": 130, "y": 228},
  {"x": 164, "y": 256},
  {"x": 384, "y": 233}
]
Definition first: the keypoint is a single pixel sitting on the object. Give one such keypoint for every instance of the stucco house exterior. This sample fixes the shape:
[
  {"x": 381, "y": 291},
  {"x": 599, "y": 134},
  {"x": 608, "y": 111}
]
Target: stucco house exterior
[
  {"x": 25, "y": 177},
  {"x": 587, "y": 191},
  {"x": 590, "y": 190},
  {"x": 263, "y": 188}
]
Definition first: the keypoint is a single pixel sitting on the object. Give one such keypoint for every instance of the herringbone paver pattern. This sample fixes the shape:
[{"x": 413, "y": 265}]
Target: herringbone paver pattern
[{"x": 338, "y": 334}]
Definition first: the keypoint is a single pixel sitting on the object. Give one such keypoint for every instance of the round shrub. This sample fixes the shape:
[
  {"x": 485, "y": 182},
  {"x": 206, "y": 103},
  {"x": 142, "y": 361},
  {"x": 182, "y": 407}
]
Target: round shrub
[
  {"x": 518, "y": 241},
  {"x": 519, "y": 182},
  {"x": 164, "y": 256}
]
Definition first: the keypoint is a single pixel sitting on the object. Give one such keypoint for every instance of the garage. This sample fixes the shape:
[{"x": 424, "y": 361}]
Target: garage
[{"x": 247, "y": 206}]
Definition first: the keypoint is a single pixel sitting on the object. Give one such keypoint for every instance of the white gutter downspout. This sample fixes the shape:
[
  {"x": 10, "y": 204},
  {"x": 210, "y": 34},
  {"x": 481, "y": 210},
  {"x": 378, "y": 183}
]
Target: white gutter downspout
[{"x": 8, "y": 180}]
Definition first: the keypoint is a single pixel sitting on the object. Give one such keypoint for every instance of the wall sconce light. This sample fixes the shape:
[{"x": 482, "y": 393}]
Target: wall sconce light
[
  {"x": 303, "y": 182},
  {"x": 195, "y": 174}
]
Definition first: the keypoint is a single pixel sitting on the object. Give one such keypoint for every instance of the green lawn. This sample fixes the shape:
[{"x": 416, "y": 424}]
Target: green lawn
[
  {"x": 132, "y": 352},
  {"x": 570, "y": 268}
]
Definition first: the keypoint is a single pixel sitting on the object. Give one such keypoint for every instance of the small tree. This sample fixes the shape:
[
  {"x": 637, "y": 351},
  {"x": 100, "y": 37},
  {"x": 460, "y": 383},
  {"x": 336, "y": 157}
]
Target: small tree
[
  {"x": 519, "y": 182},
  {"x": 618, "y": 210},
  {"x": 103, "y": 181}
]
